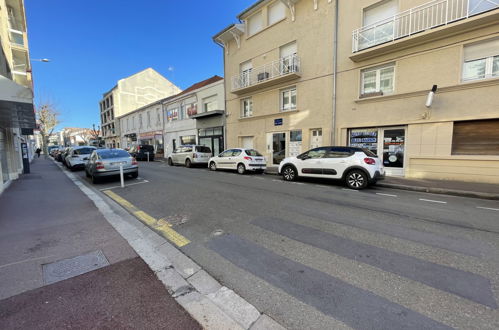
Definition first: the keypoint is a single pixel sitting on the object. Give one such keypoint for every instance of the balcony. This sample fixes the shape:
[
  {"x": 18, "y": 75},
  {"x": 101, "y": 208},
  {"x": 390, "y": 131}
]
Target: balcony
[
  {"x": 419, "y": 20},
  {"x": 276, "y": 72}
]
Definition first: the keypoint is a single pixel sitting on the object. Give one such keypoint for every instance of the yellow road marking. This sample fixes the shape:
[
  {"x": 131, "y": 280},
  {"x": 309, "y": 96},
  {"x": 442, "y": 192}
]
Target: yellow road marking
[{"x": 162, "y": 225}]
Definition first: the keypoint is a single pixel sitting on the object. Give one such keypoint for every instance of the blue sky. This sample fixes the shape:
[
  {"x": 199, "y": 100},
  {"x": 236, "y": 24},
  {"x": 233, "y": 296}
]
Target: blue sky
[{"x": 94, "y": 43}]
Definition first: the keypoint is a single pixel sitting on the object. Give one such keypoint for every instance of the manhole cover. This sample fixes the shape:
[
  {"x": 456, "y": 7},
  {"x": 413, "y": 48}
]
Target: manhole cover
[
  {"x": 217, "y": 232},
  {"x": 67, "y": 268}
]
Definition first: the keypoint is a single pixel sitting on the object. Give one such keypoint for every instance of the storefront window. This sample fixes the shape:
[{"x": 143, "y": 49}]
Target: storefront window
[
  {"x": 365, "y": 138},
  {"x": 188, "y": 139}
]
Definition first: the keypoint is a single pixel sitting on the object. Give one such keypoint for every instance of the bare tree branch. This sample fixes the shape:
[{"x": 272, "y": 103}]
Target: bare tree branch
[{"x": 48, "y": 119}]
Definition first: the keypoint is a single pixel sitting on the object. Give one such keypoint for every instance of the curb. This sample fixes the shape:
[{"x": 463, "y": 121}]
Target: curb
[
  {"x": 212, "y": 305},
  {"x": 442, "y": 191}
]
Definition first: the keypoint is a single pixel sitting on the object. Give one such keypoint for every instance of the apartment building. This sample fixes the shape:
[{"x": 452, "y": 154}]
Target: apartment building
[
  {"x": 129, "y": 94},
  {"x": 144, "y": 126},
  {"x": 390, "y": 55},
  {"x": 17, "y": 117},
  {"x": 196, "y": 116},
  {"x": 279, "y": 77}
]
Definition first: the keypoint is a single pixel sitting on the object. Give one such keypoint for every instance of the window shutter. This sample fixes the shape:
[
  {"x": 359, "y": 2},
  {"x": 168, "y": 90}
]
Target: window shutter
[
  {"x": 276, "y": 12},
  {"x": 379, "y": 12},
  {"x": 288, "y": 49},
  {"x": 481, "y": 50},
  {"x": 255, "y": 23}
]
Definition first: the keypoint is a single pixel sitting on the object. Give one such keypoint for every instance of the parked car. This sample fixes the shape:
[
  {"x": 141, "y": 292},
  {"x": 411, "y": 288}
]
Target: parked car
[
  {"x": 189, "y": 155},
  {"x": 78, "y": 156},
  {"x": 64, "y": 153},
  {"x": 140, "y": 152},
  {"x": 106, "y": 163},
  {"x": 355, "y": 166},
  {"x": 59, "y": 153},
  {"x": 241, "y": 160}
]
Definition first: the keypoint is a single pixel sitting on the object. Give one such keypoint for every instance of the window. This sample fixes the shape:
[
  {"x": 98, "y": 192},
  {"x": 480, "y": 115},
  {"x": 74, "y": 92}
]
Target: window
[
  {"x": 158, "y": 117},
  {"x": 289, "y": 62},
  {"x": 378, "y": 80},
  {"x": 383, "y": 32},
  {"x": 314, "y": 153},
  {"x": 191, "y": 109},
  {"x": 247, "y": 108},
  {"x": 140, "y": 121},
  {"x": 246, "y": 69},
  {"x": 210, "y": 103},
  {"x": 254, "y": 23},
  {"x": 188, "y": 139},
  {"x": 276, "y": 12},
  {"x": 339, "y": 152},
  {"x": 477, "y": 137},
  {"x": 288, "y": 99},
  {"x": 295, "y": 136},
  {"x": 481, "y": 60},
  {"x": 172, "y": 115}
]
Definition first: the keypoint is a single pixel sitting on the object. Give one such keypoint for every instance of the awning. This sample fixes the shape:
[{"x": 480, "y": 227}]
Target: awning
[
  {"x": 16, "y": 105},
  {"x": 208, "y": 114}
]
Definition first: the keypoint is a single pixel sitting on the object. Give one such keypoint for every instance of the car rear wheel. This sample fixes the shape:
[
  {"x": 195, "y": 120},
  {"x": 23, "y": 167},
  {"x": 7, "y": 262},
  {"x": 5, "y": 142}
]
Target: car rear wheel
[
  {"x": 170, "y": 162},
  {"x": 241, "y": 169},
  {"x": 356, "y": 179},
  {"x": 213, "y": 166},
  {"x": 95, "y": 179},
  {"x": 188, "y": 163},
  {"x": 135, "y": 175},
  {"x": 289, "y": 173},
  {"x": 87, "y": 174}
]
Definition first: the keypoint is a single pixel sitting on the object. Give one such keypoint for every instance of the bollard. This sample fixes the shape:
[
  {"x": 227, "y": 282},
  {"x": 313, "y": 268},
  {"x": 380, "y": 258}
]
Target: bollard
[
  {"x": 121, "y": 177},
  {"x": 147, "y": 156}
]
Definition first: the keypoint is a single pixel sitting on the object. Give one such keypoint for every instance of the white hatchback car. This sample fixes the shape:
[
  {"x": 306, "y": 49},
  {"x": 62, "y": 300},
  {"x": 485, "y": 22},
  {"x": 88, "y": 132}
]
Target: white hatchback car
[
  {"x": 77, "y": 157},
  {"x": 357, "y": 167},
  {"x": 241, "y": 160}
]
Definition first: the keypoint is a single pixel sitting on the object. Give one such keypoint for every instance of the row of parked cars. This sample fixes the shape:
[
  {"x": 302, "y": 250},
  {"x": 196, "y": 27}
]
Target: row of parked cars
[{"x": 355, "y": 166}]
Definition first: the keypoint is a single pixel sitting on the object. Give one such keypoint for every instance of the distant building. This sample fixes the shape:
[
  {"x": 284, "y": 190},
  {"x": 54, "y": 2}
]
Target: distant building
[
  {"x": 129, "y": 94},
  {"x": 17, "y": 117}
]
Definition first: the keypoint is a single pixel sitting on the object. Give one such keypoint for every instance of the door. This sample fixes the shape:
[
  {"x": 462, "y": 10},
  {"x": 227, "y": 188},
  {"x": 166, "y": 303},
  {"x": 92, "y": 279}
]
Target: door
[
  {"x": 315, "y": 138},
  {"x": 393, "y": 146},
  {"x": 278, "y": 147},
  {"x": 224, "y": 159},
  {"x": 336, "y": 161},
  {"x": 312, "y": 162}
]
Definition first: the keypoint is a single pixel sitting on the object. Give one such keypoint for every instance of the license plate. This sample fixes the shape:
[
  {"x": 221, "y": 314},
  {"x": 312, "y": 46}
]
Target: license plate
[{"x": 119, "y": 163}]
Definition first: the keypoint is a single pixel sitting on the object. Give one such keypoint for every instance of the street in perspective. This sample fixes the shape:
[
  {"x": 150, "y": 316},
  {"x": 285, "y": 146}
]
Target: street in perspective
[{"x": 280, "y": 165}]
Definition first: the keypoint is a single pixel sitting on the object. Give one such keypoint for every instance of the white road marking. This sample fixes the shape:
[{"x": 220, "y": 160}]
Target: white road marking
[
  {"x": 432, "y": 201},
  {"x": 131, "y": 184},
  {"x": 349, "y": 189},
  {"x": 276, "y": 180},
  {"x": 389, "y": 195},
  {"x": 487, "y": 208}
]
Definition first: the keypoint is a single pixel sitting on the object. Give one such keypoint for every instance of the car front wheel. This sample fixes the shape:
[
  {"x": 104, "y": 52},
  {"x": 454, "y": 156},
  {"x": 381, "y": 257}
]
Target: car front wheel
[
  {"x": 289, "y": 173},
  {"x": 170, "y": 162},
  {"x": 188, "y": 163},
  {"x": 356, "y": 179},
  {"x": 213, "y": 166},
  {"x": 241, "y": 169}
]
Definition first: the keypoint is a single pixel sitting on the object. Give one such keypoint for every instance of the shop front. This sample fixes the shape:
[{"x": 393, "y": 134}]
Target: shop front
[
  {"x": 210, "y": 130},
  {"x": 154, "y": 139},
  {"x": 388, "y": 143}
]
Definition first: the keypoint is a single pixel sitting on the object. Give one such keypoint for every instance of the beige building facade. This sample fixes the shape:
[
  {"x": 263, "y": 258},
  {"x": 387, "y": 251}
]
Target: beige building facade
[
  {"x": 278, "y": 77},
  {"x": 390, "y": 55},
  {"x": 17, "y": 118},
  {"x": 129, "y": 94}
]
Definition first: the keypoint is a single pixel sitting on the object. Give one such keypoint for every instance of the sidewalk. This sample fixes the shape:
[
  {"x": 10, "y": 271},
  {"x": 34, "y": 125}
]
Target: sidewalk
[
  {"x": 455, "y": 188},
  {"x": 62, "y": 265}
]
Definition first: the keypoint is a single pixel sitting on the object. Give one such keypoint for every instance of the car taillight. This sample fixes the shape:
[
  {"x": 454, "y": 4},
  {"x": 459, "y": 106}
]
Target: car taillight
[
  {"x": 99, "y": 166},
  {"x": 134, "y": 161},
  {"x": 369, "y": 161},
  {"x": 248, "y": 158},
  {"x": 138, "y": 148}
]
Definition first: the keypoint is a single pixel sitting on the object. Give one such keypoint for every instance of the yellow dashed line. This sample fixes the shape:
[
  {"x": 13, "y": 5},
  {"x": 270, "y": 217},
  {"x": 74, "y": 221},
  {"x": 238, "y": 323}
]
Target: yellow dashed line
[{"x": 162, "y": 226}]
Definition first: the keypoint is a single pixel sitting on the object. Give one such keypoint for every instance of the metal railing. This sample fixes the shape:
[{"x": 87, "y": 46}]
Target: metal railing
[
  {"x": 284, "y": 66},
  {"x": 427, "y": 16}
]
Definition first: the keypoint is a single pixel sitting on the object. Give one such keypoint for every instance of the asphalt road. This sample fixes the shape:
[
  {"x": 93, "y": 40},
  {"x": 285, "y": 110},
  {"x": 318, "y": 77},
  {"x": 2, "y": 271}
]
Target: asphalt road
[{"x": 314, "y": 255}]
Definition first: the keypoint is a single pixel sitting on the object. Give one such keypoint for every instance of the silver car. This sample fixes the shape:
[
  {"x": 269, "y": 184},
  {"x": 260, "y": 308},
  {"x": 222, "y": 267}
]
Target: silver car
[
  {"x": 78, "y": 156},
  {"x": 189, "y": 155},
  {"x": 107, "y": 162}
]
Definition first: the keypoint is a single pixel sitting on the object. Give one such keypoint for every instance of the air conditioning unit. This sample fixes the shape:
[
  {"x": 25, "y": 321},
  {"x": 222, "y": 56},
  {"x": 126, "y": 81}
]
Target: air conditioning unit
[{"x": 263, "y": 76}]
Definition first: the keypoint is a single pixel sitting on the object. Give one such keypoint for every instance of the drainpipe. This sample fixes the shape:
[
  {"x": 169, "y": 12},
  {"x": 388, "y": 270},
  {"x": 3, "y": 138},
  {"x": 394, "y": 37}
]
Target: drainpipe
[{"x": 335, "y": 69}]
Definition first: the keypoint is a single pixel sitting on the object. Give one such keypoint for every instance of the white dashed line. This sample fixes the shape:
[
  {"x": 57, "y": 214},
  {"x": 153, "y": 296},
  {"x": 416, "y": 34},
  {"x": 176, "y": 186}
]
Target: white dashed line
[
  {"x": 349, "y": 189},
  {"x": 432, "y": 201},
  {"x": 130, "y": 184},
  {"x": 487, "y": 208},
  {"x": 389, "y": 195}
]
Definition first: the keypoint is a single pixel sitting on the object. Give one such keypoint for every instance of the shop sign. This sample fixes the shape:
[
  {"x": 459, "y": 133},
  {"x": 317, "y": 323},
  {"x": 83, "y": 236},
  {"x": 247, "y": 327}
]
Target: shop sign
[
  {"x": 192, "y": 109},
  {"x": 364, "y": 138},
  {"x": 172, "y": 115},
  {"x": 278, "y": 122}
]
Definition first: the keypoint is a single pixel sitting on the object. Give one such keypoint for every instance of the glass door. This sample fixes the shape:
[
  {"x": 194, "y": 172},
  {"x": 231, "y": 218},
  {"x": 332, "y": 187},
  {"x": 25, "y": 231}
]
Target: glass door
[
  {"x": 278, "y": 147},
  {"x": 393, "y": 146}
]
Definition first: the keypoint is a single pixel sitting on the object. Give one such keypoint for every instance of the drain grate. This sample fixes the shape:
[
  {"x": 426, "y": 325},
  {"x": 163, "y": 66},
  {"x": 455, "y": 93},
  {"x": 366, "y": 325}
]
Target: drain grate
[{"x": 67, "y": 268}]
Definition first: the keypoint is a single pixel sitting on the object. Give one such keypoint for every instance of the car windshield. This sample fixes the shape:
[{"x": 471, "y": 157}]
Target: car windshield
[
  {"x": 107, "y": 154},
  {"x": 84, "y": 151},
  {"x": 203, "y": 149},
  {"x": 253, "y": 152}
]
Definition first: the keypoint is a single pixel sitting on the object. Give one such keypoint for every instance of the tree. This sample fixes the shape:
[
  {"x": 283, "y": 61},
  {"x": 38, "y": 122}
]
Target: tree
[{"x": 48, "y": 119}]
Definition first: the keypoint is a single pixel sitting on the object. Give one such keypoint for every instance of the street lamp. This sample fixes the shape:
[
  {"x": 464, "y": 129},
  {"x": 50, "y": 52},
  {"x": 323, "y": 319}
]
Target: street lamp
[{"x": 41, "y": 59}]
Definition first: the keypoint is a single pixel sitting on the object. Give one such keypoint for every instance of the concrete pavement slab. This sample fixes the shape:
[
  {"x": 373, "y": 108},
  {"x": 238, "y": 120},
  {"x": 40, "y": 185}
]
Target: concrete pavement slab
[
  {"x": 204, "y": 282},
  {"x": 264, "y": 322}
]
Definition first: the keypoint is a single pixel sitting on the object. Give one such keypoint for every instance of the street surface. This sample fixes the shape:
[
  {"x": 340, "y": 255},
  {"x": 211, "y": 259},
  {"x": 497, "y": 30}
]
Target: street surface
[{"x": 314, "y": 255}]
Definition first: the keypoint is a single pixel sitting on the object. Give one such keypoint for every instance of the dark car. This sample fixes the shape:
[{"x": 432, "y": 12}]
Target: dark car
[{"x": 140, "y": 152}]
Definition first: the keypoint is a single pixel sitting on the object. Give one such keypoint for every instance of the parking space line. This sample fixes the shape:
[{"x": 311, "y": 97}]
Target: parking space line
[
  {"x": 389, "y": 195},
  {"x": 487, "y": 208},
  {"x": 432, "y": 201},
  {"x": 130, "y": 184},
  {"x": 349, "y": 189},
  {"x": 161, "y": 225}
]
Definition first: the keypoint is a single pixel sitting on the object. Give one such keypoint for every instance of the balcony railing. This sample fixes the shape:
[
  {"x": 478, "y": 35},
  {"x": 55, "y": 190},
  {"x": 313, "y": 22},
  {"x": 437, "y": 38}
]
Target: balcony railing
[
  {"x": 17, "y": 37},
  {"x": 418, "y": 19},
  {"x": 288, "y": 65}
]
